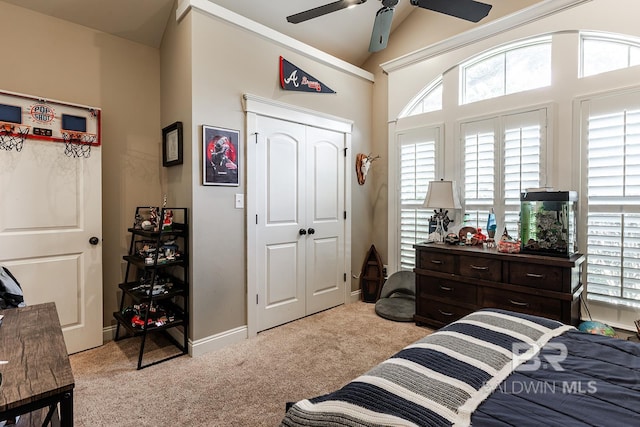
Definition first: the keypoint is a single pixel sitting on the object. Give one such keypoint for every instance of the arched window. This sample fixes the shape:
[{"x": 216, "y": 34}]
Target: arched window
[
  {"x": 510, "y": 69},
  {"x": 428, "y": 99},
  {"x": 600, "y": 53}
]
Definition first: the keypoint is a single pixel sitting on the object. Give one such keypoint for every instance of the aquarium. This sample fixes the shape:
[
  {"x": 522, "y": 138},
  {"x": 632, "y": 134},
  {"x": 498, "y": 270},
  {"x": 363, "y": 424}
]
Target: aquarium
[{"x": 548, "y": 222}]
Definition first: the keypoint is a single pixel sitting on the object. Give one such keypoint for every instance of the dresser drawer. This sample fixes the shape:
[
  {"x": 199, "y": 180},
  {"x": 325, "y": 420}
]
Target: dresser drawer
[
  {"x": 429, "y": 287},
  {"x": 523, "y": 303},
  {"x": 434, "y": 261},
  {"x": 536, "y": 276},
  {"x": 442, "y": 313},
  {"x": 481, "y": 268}
]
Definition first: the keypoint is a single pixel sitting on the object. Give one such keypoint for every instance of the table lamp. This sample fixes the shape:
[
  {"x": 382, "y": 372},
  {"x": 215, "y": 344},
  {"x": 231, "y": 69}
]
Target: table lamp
[{"x": 442, "y": 196}]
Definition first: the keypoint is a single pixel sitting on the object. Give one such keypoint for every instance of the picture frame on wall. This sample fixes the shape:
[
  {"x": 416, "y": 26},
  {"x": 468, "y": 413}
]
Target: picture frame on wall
[
  {"x": 172, "y": 145},
  {"x": 220, "y": 156}
]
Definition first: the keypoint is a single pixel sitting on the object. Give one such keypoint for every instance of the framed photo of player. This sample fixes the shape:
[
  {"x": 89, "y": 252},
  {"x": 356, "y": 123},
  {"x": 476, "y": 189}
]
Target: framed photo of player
[
  {"x": 172, "y": 145},
  {"x": 220, "y": 156}
]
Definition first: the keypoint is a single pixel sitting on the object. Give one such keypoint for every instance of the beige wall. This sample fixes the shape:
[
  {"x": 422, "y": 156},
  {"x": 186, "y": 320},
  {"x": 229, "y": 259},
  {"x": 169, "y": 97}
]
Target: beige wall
[
  {"x": 59, "y": 60},
  {"x": 228, "y": 62},
  {"x": 420, "y": 29}
]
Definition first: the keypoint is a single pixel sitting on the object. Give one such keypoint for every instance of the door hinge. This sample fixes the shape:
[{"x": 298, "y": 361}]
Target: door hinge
[
  {"x": 345, "y": 277},
  {"x": 345, "y": 214}
]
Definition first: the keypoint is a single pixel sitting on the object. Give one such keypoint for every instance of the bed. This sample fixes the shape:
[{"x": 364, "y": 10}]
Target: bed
[{"x": 492, "y": 367}]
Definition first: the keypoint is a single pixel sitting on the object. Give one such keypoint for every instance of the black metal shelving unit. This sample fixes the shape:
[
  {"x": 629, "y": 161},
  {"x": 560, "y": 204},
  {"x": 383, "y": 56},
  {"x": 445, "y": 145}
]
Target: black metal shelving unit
[{"x": 156, "y": 286}]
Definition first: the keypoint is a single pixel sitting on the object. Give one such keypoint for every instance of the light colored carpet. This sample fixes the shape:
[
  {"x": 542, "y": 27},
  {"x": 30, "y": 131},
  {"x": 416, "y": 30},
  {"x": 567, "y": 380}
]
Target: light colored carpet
[{"x": 245, "y": 384}]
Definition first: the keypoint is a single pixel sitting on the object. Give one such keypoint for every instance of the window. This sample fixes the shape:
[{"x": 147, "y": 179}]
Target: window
[
  {"x": 428, "y": 99},
  {"x": 511, "y": 69},
  {"x": 517, "y": 157},
  {"x": 613, "y": 200},
  {"x": 606, "y": 52},
  {"x": 417, "y": 168}
]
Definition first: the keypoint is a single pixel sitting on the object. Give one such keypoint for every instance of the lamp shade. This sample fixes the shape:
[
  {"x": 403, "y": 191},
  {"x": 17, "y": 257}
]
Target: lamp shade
[{"x": 442, "y": 195}]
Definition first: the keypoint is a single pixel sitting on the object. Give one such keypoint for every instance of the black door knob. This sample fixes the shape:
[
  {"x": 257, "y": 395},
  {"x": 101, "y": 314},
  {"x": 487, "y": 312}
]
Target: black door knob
[
  {"x": 302, "y": 231},
  {"x": 94, "y": 240},
  {"x": 311, "y": 231}
]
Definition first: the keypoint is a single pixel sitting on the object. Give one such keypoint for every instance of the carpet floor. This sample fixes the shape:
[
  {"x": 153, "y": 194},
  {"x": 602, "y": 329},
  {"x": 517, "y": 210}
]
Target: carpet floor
[{"x": 245, "y": 384}]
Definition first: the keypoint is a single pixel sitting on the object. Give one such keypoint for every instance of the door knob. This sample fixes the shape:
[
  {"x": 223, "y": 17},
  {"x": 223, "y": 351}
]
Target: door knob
[
  {"x": 94, "y": 240},
  {"x": 302, "y": 231},
  {"x": 311, "y": 231}
]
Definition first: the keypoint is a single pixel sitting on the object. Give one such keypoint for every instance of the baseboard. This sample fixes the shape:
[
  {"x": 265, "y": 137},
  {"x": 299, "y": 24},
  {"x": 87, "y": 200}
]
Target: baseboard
[
  {"x": 198, "y": 347},
  {"x": 218, "y": 341},
  {"x": 355, "y": 296}
]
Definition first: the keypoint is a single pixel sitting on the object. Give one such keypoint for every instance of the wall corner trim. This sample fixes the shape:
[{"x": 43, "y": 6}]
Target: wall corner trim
[
  {"x": 492, "y": 28},
  {"x": 184, "y": 6}
]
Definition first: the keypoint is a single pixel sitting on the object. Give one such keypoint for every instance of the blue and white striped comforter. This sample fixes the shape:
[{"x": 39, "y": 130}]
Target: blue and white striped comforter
[{"x": 437, "y": 381}]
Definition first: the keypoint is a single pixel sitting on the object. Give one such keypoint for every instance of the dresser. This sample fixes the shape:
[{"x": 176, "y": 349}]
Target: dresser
[{"x": 453, "y": 281}]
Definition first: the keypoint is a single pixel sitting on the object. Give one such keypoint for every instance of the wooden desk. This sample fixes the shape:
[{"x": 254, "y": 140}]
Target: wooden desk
[{"x": 38, "y": 374}]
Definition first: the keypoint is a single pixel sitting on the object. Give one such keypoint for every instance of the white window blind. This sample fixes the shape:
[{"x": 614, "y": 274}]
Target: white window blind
[
  {"x": 613, "y": 200},
  {"x": 517, "y": 158},
  {"x": 417, "y": 168}
]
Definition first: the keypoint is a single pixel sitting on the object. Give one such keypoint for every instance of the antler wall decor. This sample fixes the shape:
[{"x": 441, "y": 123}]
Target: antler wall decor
[{"x": 363, "y": 163}]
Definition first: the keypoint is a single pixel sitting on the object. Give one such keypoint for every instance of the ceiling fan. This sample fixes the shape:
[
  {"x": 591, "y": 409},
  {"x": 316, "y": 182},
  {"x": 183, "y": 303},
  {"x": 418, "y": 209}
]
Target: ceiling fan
[{"x": 468, "y": 10}]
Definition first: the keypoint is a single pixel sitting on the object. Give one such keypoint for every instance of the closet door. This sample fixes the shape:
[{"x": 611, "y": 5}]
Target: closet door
[
  {"x": 325, "y": 284},
  {"x": 281, "y": 248},
  {"x": 300, "y": 224}
]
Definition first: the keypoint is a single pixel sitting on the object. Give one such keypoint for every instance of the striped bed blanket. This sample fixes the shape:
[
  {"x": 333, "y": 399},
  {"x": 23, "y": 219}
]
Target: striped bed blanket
[{"x": 437, "y": 381}]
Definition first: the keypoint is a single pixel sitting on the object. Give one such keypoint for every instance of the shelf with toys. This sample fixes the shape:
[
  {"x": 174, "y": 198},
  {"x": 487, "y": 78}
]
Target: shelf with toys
[{"x": 155, "y": 292}]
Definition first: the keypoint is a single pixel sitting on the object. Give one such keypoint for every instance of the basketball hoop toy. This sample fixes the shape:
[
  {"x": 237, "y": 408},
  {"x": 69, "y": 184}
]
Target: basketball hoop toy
[
  {"x": 12, "y": 135},
  {"x": 78, "y": 144}
]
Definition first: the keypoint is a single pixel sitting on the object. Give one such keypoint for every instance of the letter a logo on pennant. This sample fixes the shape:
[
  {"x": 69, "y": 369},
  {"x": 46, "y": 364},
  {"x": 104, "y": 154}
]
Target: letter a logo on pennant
[{"x": 293, "y": 78}]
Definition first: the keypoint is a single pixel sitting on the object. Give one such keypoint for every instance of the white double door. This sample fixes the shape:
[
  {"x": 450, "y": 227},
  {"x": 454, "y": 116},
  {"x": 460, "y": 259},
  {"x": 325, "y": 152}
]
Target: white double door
[{"x": 300, "y": 222}]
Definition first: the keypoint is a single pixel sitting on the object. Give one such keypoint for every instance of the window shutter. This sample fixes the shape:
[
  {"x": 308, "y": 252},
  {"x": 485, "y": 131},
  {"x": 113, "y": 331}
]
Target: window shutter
[
  {"x": 613, "y": 199},
  {"x": 417, "y": 168}
]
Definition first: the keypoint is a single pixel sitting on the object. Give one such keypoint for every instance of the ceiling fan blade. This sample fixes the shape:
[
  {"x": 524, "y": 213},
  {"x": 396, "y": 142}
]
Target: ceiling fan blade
[
  {"x": 322, "y": 10},
  {"x": 468, "y": 10},
  {"x": 381, "y": 29}
]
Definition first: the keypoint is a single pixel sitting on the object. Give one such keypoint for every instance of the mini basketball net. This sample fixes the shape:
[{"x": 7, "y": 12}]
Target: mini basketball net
[
  {"x": 12, "y": 135},
  {"x": 77, "y": 144}
]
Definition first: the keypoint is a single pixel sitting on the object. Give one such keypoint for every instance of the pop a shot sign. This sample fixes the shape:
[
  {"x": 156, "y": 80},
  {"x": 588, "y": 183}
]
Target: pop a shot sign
[{"x": 293, "y": 78}]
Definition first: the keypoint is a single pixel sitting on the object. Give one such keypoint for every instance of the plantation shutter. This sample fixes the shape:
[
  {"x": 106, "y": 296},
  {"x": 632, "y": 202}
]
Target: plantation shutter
[
  {"x": 417, "y": 168},
  {"x": 497, "y": 170},
  {"x": 613, "y": 200},
  {"x": 524, "y": 143},
  {"x": 479, "y": 170}
]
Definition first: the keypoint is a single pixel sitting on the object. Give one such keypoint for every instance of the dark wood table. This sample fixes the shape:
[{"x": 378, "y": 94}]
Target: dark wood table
[{"x": 37, "y": 374}]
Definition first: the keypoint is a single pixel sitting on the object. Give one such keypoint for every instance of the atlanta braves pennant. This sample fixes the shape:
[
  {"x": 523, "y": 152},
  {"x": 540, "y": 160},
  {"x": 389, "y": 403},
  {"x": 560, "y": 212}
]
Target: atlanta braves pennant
[{"x": 293, "y": 78}]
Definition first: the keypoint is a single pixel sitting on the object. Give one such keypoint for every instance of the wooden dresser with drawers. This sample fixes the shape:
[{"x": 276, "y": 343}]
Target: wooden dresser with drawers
[{"x": 453, "y": 281}]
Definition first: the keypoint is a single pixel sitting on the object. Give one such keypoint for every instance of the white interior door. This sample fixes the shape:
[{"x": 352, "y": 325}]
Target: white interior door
[
  {"x": 325, "y": 281},
  {"x": 51, "y": 207},
  {"x": 300, "y": 223},
  {"x": 281, "y": 248}
]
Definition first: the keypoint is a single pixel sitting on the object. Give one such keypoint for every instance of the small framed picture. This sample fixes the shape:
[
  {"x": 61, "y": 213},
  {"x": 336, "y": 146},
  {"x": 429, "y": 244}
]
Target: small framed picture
[
  {"x": 220, "y": 156},
  {"x": 172, "y": 145}
]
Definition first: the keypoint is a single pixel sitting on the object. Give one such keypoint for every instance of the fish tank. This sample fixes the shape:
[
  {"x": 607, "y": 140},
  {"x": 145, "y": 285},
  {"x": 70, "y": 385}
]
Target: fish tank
[{"x": 548, "y": 222}]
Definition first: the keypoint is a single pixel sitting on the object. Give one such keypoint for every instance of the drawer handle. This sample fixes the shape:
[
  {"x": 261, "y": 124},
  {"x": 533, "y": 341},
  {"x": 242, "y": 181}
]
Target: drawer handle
[
  {"x": 535, "y": 276},
  {"x": 436, "y": 261},
  {"x": 445, "y": 313},
  {"x": 519, "y": 304},
  {"x": 479, "y": 267},
  {"x": 444, "y": 288}
]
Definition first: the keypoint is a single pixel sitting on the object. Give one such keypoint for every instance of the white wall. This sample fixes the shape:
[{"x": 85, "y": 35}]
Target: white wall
[{"x": 564, "y": 168}]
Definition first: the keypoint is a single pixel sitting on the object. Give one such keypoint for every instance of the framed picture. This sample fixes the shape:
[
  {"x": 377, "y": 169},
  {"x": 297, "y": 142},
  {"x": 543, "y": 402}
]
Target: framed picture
[
  {"x": 172, "y": 145},
  {"x": 220, "y": 156}
]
